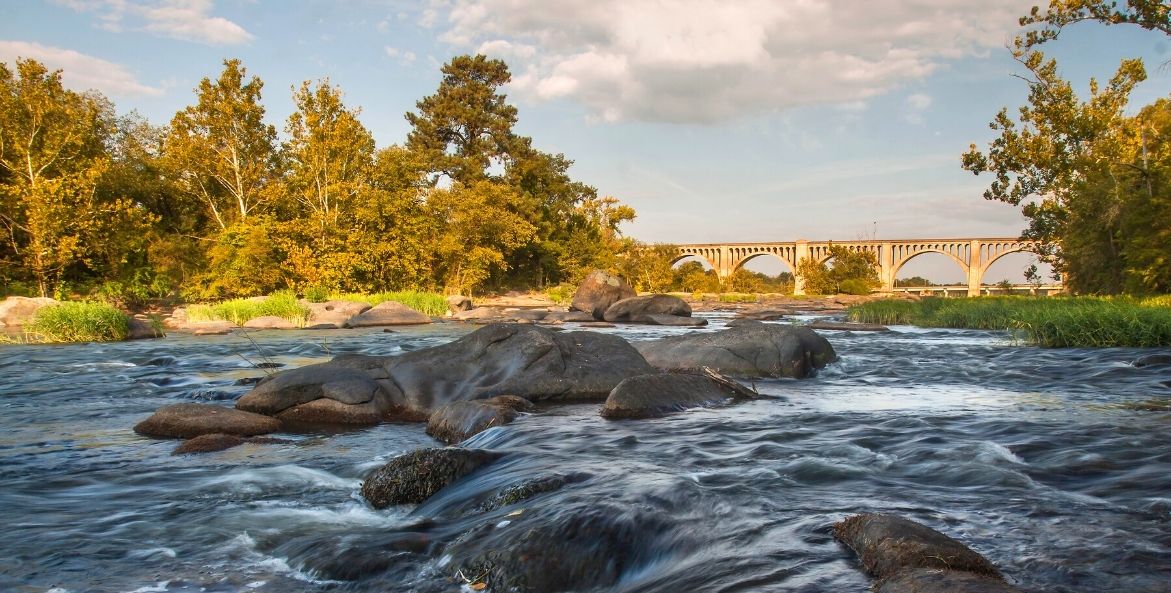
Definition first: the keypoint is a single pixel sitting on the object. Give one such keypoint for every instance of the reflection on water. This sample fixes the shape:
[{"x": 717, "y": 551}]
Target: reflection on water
[{"x": 1054, "y": 463}]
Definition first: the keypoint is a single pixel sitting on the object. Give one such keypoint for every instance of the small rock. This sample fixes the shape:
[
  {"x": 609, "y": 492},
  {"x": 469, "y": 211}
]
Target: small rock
[
  {"x": 414, "y": 477},
  {"x": 191, "y": 420},
  {"x": 848, "y": 326},
  {"x": 208, "y": 443},
  {"x": 1152, "y": 360},
  {"x": 248, "y": 381},
  {"x": 455, "y": 422}
]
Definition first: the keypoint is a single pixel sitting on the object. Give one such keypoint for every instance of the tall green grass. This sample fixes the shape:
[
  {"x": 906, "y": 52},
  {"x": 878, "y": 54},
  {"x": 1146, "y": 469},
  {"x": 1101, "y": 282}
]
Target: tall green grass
[
  {"x": 78, "y": 322},
  {"x": 427, "y": 303},
  {"x": 239, "y": 311},
  {"x": 1051, "y": 322},
  {"x": 737, "y": 297}
]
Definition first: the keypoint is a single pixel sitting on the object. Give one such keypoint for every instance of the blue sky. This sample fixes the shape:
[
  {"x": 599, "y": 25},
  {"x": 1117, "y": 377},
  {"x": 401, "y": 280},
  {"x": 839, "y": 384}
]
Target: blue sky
[{"x": 718, "y": 121}]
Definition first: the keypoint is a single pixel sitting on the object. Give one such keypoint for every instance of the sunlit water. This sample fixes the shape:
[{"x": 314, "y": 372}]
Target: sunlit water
[{"x": 1050, "y": 462}]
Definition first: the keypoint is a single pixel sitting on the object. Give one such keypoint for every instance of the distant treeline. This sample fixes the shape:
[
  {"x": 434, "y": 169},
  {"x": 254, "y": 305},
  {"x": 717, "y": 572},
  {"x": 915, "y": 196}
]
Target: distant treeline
[{"x": 214, "y": 204}]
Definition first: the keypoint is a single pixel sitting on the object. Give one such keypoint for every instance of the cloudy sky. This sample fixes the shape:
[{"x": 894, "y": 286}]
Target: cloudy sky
[{"x": 740, "y": 120}]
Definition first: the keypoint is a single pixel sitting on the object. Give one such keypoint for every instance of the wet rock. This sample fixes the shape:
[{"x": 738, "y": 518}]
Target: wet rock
[
  {"x": 527, "y": 489},
  {"x": 210, "y": 395},
  {"x": 333, "y": 314},
  {"x": 1149, "y": 360},
  {"x": 210, "y": 443},
  {"x": 388, "y": 313},
  {"x": 269, "y": 365},
  {"x": 650, "y": 396},
  {"x": 930, "y": 580},
  {"x": 457, "y": 421},
  {"x": 598, "y": 291},
  {"x": 326, "y": 393},
  {"x": 529, "y": 361},
  {"x": 888, "y": 545},
  {"x": 458, "y": 302},
  {"x": 414, "y": 477},
  {"x": 191, "y": 420},
  {"x": 674, "y": 321},
  {"x": 848, "y": 326},
  {"x": 247, "y": 381},
  {"x": 749, "y": 349},
  {"x": 16, "y": 310},
  {"x": 269, "y": 322},
  {"x": 142, "y": 329},
  {"x": 161, "y": 361},
  {"x": 576, "y": 549},
  {"x": 639, "y": 309}
]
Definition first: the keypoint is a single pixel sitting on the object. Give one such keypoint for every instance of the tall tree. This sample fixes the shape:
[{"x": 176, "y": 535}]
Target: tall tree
[
  {"x": 466, "y": 126},
  {"x": 220, "y": 148},
  {"x": 52, "y": 157},
  {"x": 1154, "y": 15}
]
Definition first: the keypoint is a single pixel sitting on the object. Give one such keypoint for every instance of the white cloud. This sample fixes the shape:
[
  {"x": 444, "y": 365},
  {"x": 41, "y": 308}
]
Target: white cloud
[
  {"x": 189, "y": 20},
  {"x": 712, "y": 60},
  {"x": 914, "y": 108},
  {"x": 406, "y": 58},
  {"x": 79, "y": 71}
]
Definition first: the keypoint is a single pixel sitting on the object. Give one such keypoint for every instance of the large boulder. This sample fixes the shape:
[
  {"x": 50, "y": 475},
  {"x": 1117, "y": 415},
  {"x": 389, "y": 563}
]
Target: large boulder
[
  {"x": 598, "y": 291},
  {"x": 648, "y": 396},
  {"x": 582, "y": 548},
  {"x": 16, "y": 310},
  {"x": 457, "y": 421},
  {"x": 414, "y": 477},
  {"x": 333, "y": 313},
  {"x": 187, "y": 421},
  {"x": 529, "y": 361},
  {"x": 751, "y": 349},
  {"x": 142, "y": 329},
  {"x": 325, "y": 393},
  {"x": 639, "y": 309},
  {"x": 388, "y": 313},
  {"x": 888, "y": 545}
]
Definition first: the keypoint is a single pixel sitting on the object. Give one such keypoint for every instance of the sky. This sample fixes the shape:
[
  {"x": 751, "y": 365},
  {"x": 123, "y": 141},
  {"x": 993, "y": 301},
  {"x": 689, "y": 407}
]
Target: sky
[{"x": 718, "y": 121}]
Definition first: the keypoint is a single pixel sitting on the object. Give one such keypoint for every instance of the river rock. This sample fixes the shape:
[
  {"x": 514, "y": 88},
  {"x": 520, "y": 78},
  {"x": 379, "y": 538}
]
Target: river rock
[
  {"x": 414, "y": 477},
  {"x": 325, "y": 393},
  {"x": 388, "y": 313},
  {"x": 529, "y": 361},
  {"x": 141, "y": 329},
  {"x": 638, "y": 309},
  {"x": 187, "y": 421},
  {"x": 750, "y": 349},
  {"x": 1152, "y": 360},
  {"x": 888, "y": 545},
  {"x": 931, "y": 580},
  {"x": 17, "y": 310},
  {"x": 333, "y": 313},
  {"x": 269, "y": 322},
  {"x": 848, "y": 326},
  {"x": 577, "y": 549},
  {"x": 674, "y": 321},
  {"x": 211, "y": 328},
  {"x": 568, "y": 317},
  {"x": 649, "y": 396},
  {"x": 459, "y": 302},
  {"x": 457, "y": 421},
  {"x": 598, "y": 291},
  {"x": 209, "y": 443}
]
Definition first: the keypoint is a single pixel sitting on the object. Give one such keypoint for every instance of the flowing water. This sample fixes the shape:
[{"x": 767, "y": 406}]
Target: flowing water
[{"x": 1056, "y": 464}]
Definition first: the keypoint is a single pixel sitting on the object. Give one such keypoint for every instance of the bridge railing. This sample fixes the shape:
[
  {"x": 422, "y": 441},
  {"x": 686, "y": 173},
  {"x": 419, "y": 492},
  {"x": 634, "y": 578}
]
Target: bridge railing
[{"x": 959, "y": 290}]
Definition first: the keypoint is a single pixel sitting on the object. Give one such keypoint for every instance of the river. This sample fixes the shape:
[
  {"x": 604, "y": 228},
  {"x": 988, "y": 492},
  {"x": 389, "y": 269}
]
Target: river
[{"x": 1053, "y": 463}]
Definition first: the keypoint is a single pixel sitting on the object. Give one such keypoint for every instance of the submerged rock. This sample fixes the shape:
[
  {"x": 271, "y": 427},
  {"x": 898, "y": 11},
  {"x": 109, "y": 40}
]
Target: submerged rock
[
  {"x": 414, "y": 477},
  {"x": 191, "y": 420},
  {"x": 649, "y": 396},
  {"x": 598, "y": 291},
  {"x": 640, "y": 309},
  {"x": 890, "y": 546},
  {"x": 210, "y": 443},
  {"x": 527, "y": 489},
  {"x": 848, "y": 326},
  {"x": 750, "y": 349},
  {"x": 576, "y": 549},
  {"x": 457, "y": 421},
  {"x": 1149, "y": 360},
  {"x": 933, "y": 580}
]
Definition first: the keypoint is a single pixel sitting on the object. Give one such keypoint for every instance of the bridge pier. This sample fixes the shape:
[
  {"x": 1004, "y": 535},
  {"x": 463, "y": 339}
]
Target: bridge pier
[
  {"x": 975, "y": 269},
  {"x": 800, "y": 254}
]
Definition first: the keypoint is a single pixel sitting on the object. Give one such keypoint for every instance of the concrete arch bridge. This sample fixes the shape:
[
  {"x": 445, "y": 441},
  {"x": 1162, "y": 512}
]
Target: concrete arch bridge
[{"x": 973, "y": 256}]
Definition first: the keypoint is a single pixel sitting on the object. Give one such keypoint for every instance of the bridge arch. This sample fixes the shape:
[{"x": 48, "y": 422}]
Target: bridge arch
[
  {"x": 741, "y": 256},
  {"x": 898, "y": 265},
  {"x": 992, "y": 251},
  {"x": 710, "y": 256}
]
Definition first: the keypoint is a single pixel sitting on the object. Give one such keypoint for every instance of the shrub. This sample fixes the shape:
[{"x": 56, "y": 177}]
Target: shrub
[
  {"x": 317, "y": 294},
  {"x": 736, "y": 297},
  {"x": 79, "y": 322},
  {"x": 561, "y": 294},
  {"x": 855, "y": 286},
  {"x": 239, "y": 311}
]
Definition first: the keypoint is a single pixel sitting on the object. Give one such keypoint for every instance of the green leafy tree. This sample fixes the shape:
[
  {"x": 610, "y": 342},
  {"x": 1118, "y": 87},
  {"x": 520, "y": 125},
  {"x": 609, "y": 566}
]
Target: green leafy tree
[
  {"x": 1153, "y": 15},
  {"x": 476, "y": 228},
  {"x": 853, "y": 272},
  {"x": 52, "y": 158},
  {"x": 648, "y": 267},
  {"x": 220, "y": 149}
]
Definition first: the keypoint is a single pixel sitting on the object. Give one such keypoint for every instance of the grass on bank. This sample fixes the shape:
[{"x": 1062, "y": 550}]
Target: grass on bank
[
  {"x": 239, "y": 311},
  {"x": 78, "y": 322},
  {"x": 1051, "y": 322}
]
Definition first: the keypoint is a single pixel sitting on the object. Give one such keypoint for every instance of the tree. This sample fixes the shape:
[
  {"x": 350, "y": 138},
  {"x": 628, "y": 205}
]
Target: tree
[
  {"x": 1152, "y": 15},
  {"x": 853, "y": 272},
  {"x": 52, "y": 157},
  {"x": 476, "y": 228},
  {"x": 466, "y": 126},
  {"x": 220, "y": 148},
  {"x": 647, "y": 267}
]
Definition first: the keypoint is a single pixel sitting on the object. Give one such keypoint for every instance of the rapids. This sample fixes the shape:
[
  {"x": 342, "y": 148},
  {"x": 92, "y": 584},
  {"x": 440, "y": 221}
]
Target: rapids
[{"x": 1055, "y": 464}]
